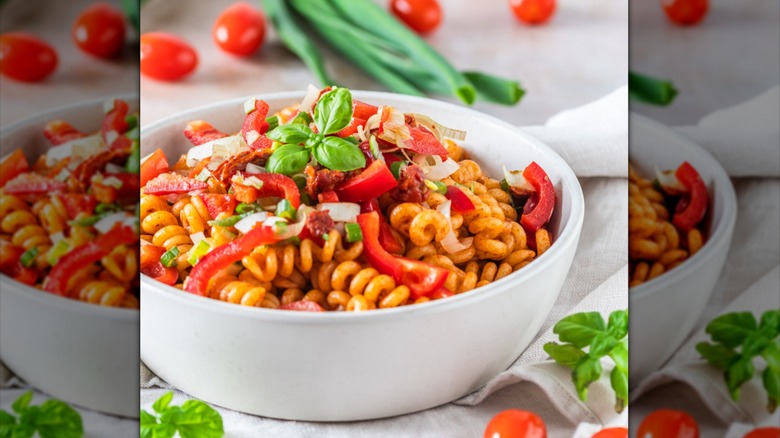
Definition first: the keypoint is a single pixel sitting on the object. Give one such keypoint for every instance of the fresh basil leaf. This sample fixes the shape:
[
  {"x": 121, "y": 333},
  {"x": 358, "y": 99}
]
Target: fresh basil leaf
[
  {"x": 194, "y": 419},
  {"x": 580, "y": 329},
  {"x": 732, "y": 329},
  {"x": 771, "y": 380},
  {"x": 156, "y": 430},
  {"x": 161, "y": 404},
  {"x": 587, "y": 371},
  {"x": 739, "y": 372},
  {"x": 602, "y": 344},
  {"x": 333, "y": 111},
  {"x": 147, "y": 418},
  {"x": 338, "y": 154},
  {"x": 7, "y": 424},
  {"x": 288, "y": 159},
  {"x": 292, "y": 134},
  {"x": 565, "y": 354},
  {"x": 753, "y": 346},
  {"x": 22, "y": 402},
  {"x": 618, "y": 324},
  {"x": 770, "y": 323},
  {"x": 302, "y": 119},
  {"x": 56, "y": 419},
  {"x": 619, "y": 355},
  {"x": 717, "y": 355},
  {"x": 771, "y": 355},
  {"x": 619, "y": 380}
]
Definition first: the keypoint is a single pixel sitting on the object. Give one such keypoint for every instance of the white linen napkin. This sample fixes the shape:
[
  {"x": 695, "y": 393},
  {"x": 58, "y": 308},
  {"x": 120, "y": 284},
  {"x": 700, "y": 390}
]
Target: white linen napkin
[{"x": 597, "y": 281}]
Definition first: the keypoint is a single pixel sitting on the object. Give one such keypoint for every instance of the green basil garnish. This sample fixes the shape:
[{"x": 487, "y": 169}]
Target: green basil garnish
[
  {"x": 293, "y": 134},
  {"x": 338, "y": 154},
  {"x": 288, "y": 159},
  {"x": 333, "y": 111}
]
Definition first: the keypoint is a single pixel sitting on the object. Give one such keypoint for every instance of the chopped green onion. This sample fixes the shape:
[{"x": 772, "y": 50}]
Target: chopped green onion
[
  {"x": 303, "y": 118},
  {"x": 272, "y": 121},
  {"x": 284, "y": 209},
  {"x": 650, "y": 90},
  {"x": 354, "y": 234},
  {"x": 107, "y": 208},
  {"x": 28, "y": 257},
  {"x": 373, "y": 145},
  {"x": 396, "y": 168},
  {"x": 132, "y": 121},
  {"x": 133, "y": 164},
  {"x": 505, "y": 185},
  {"x": 281, "y": 227},
  {"x": 247, "y": 208},
  {"x": 87, "y": 221},
  {"x": 169, "y": 258},
  {"x": 57, "y": 251},
  {"x": 229, "y": 221},
  {"x": 436, "y": 186},
  {"x": 326, "y": 237},
  {"x": 198, "y": 251},
  {"x": 294, "y": 240}
]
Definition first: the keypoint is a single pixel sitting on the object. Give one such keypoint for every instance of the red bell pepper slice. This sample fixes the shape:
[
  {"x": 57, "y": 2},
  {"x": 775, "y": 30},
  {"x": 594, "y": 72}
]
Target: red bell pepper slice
[
  {"x": 76, "y": 203},
  {"x": 443, "y": 292},
  {"x": 115, "y": 125},
  {"x": 126, "y": 194},
  {"x": 86, "y": 254},
  {"x": 199, "y": 132},
  {"x": 386, "y": 237},
  {"x": 422, "y": 278},
  {"x": 327, "y": 196},
  {"x": 369, "y": 184},
  {"x": 210, "y": 265},
  {"x": 33, "y": 184},
  {"x": 169, "y": 183},
  {"x": 302, "y": 306},
  {"x": 692, "y": 206},
  {"x": 352, "y": 128},
  {"x": 13, "y": 165},
  {"x": 255, "y": 127},
  {"x": 274, "y": 184},
  {"x": 216, "y": 203},
  {"x": 9, "y": 254},
  {"x": 153, "y": 165},
  {"x": 539, "y": 207},
  {"x": 157, "y": 271},
  {"x": 362, "y": 110},
  {"x": 460, "y": 202},
  {"x": 60, "y": 131},
  {"x": 424, "y": 142}
]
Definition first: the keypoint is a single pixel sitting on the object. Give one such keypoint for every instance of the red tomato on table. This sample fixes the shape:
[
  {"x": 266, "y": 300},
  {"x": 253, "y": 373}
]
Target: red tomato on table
[
  {"x": 668, "y": 423},
  {"x": 612, "y": 432},
  {"x": 166, "y": 57},
  {"x": 25, "y": 57},
  {"x": 423, "y": 16},
  {"x": 514, "y": 423},
  {"x": 533, "y": 11},
  {"x": 100, "y": 30},
  {"x": 685, "y": 12},
  {"x": 764, "y": 432},
  {"x": 240, "y": 29}
]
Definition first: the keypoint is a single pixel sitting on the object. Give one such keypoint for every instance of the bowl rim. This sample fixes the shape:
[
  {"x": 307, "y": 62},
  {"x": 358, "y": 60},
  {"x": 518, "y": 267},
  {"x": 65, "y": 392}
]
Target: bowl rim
[
  {"x": 570, "y": 232},
  {"x": 32, "y": 293},
  {"x": 720, "y": 235}
]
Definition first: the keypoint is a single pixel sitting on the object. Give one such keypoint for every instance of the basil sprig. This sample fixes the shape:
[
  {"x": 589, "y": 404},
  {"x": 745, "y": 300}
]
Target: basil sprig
[
  {"x": 332, "y": 113},
  {"x": 741, "y": 330},
  {"x": 53, "y": 418},
  {"x": 193, "y": 419}
]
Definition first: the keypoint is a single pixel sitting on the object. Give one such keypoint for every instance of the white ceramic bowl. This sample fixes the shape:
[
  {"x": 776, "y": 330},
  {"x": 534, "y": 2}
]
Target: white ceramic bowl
[
  {"x": 355, "y": 366},
  {"x": 664, "y": 310},
  {"x": 82, "y": 353}
]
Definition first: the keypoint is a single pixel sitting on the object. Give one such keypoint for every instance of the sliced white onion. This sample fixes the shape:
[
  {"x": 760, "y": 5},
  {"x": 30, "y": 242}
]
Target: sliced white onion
[
  {"x": 450, "y": 243},
  {"x": 669, "y": 182},
  {"x": 131, "y": 221},
  {"x": 341, "y": 211},
  {"x": 63, "y": 175},
  {"x": 249, "y": 105},
  {"x": 56, "y": 237},
  {"x": 79, "y": 149},
  {"x": 517, "y": 182},
  {"x": 285, "y": 231},
  {"x": 203, "y": 175},
  {"x": 394, "y": 129},
  {"x": 438, "y": 129},
  {"x": 434, "y": 168},
  {"x": 246, "y": 224},
  {"x": 114, "y": 168},
  {"x": 104, "y": 225},
  {"x": 254, "y": 168},
  {"x": 197, "y": 237},
  {"x": 373, "y": 121},
  {"x": 312, "y": 93},
  {"x": 219, "y": 148},
  {"x": 112, "y": 181}
]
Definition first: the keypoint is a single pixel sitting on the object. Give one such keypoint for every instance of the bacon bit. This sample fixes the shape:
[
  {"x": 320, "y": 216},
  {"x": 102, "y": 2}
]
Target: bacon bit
[
  {"x": 411, "y": 186},
  {"x": 60, "y": 131},
  {"x": 87, "y": 168},
  {"x": 199, "y": 132},
  {"x": 324, "y": 180},
  {"x": 225, "y": 171},
  {"x": 319, "y": 222}
]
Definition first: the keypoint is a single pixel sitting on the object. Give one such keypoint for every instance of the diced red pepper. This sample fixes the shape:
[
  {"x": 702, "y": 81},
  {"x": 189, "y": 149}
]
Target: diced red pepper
[
  {"x": 126, "y": 194},
  {"x": 391, "y": 158},
  {"x": 422, "y": 278},
  {"x": 76, "y": 203},
  {"x": 424, "y": 142},
  {"x": 150, "y": 254},
  {"x": 154, "y": 165},
  {"x": 23, "y": 274},
  {"x": 216, "y": 203},
  {"x": 166, "y": 275},
  {"x": 13, "y": 165},
  {"x": 33, "y": 184},
  {"x": 460, "y": 202},
  {"x": 199, "y": 132},
  {"x": 86, "y": 254},
  {"x": 211, "y": 264},
  {"x": 274, "y": 184},
  {"x": 9, "y": 254},
  {"x": 302, "y": 306},
  {"x": 352, "y": 128},
  {"x": 693, "y": 205},
  {"x": 255, "y": 127},
  {"x": 115, "y": 125},
  {"x": 375, "y": 180},
  {"x": 170, "y": 183},
  {"x": 443, "y": 292},
  {"x": 327, "y": 196},
  {"x": 386, "y": 237},
  {"x": 362, "y": 110},
  {"x": 539, "y": 207},
  {"x": 60, "y": 131}
]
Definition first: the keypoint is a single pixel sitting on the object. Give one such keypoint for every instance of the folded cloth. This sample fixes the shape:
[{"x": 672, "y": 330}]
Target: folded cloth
[
  {"x": 597, "y": 281},
  {"x": 745, "y": 138}
]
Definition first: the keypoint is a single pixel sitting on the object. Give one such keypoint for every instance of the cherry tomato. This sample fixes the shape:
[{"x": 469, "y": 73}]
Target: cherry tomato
[
  {"x": 423, "y": 16},
  {"x": 166, "y": 57},
  {"x": 685, "y": 12},
  {"x": 764, "y": 432},
  {"x": 514, "y": 423},
  {"x": 668, "y": 423},
  {"x": 612, "y": 432},
  {"x": 533, "y": 11},
  {"x": 100, "y": 30},
  {"x": 240, "y": 29},
  {"x": 26, "y": 58}
]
